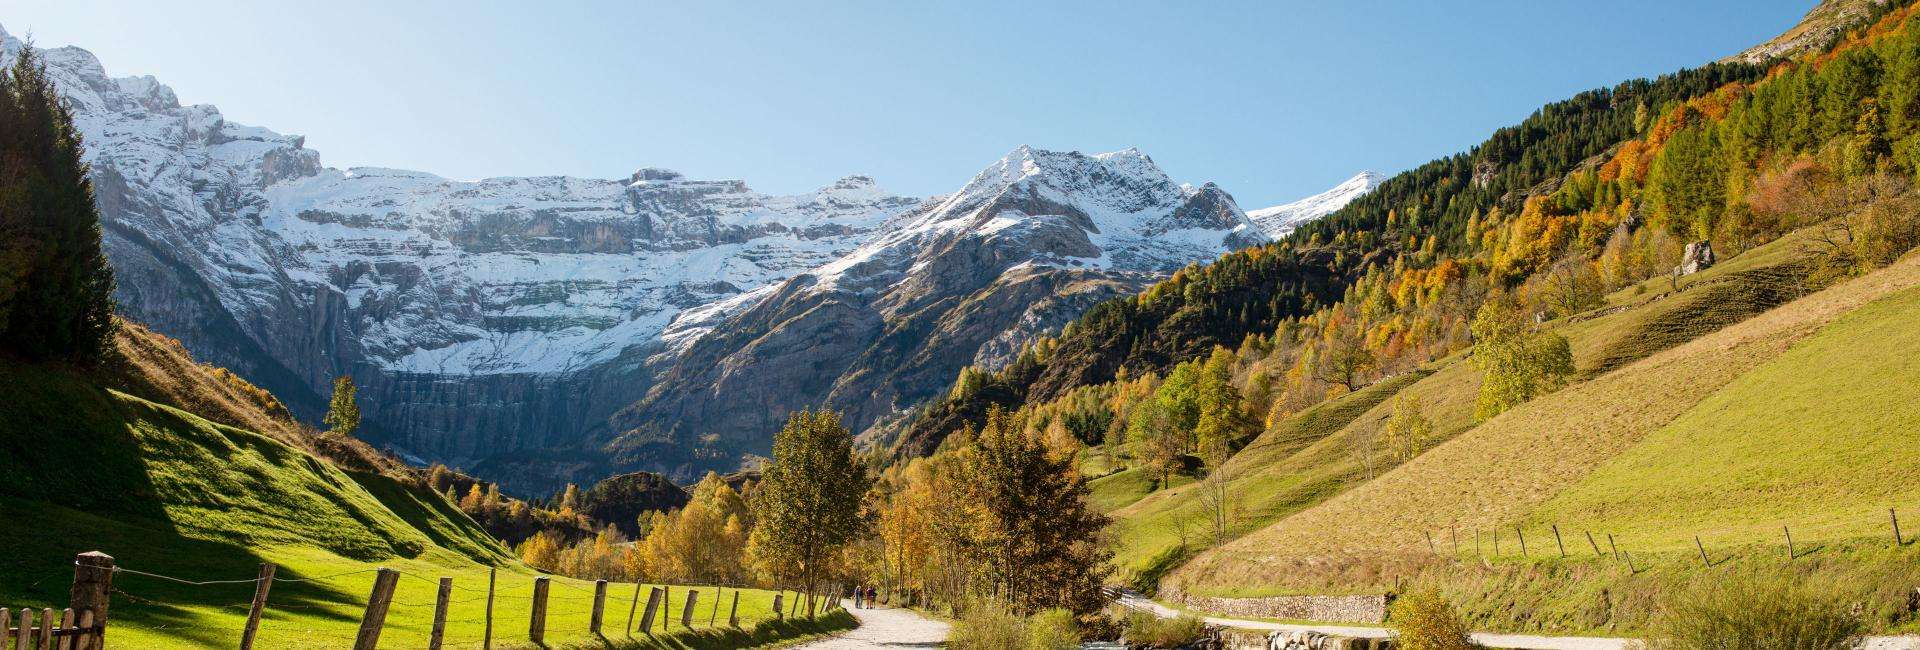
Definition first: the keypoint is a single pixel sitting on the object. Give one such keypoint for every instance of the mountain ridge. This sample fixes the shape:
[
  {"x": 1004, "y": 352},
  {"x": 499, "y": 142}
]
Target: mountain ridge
[{"x": 522, "y": 314}]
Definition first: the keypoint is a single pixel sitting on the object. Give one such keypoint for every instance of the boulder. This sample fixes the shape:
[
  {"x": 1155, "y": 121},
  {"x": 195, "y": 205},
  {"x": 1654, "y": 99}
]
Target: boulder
[{"x": 1697, "y": 258}]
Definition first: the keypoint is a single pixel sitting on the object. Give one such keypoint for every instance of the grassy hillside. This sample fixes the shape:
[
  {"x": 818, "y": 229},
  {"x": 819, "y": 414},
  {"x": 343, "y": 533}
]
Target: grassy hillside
[
  {"x": 84, "y": 467},
  {"x": 1800, "y": 416},
  {"x": 1312, "y": 456}
]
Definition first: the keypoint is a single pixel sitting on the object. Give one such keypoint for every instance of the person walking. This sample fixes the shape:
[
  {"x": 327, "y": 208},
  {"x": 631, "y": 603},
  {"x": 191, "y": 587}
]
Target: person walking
[{"x": 858, "y": 591}]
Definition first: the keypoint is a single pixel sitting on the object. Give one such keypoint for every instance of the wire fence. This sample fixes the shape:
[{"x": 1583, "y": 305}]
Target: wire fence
[
  {"x": 1523, "y": 542},
  {"x": 352, "y": 608}
]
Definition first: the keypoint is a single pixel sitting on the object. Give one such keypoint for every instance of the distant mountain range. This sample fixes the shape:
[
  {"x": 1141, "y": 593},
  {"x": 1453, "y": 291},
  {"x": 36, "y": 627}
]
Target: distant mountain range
[{"x": 544, "y": 329}]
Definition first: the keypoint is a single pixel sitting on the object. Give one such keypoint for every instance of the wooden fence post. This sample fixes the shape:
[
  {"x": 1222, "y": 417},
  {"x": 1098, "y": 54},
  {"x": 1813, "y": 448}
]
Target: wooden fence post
[
  {"x": 653, "y": 606},
  {"x": 23, "y": 635},
  {"x": 260, "y": 586},
  {"x": 47, "y": 625},
  {"x": 1596, "y": 545},
  {"x": 666, "y": 606},
  {"x": 686, "y": 612},
  {"x": 537, "y": 624},
  {"x": 714, "y": 612},
  {"x": 1430, "y": 547},
  {"x": 1896, "y": 526},
  {"x": 777, "y": 596},
  {"x": 376, "y": 615},
  {"x": 1523, "y": 540},
  {"x": 440, "y": 602},
  {"x": 1630, "y": 567},
  {"x": 92, "y": 582},
  {"x": 6, "y": 623},
  {"x": 633, "y": 607},
  {"x": 1615, "y": 548},
  {"x": 1454, "y": 533},
  {"x": 599, "y": 606},
  {"x": 733, "y": 613},
  {"x": 486, "y": 635},
  {"x": 1789, "y": 533},
  {"x": 1558, "y": 542},
  {"x": 1496, "y": 542},
  {"x": 1703, "y": 551},
  {"x": 65, "y": 642}
]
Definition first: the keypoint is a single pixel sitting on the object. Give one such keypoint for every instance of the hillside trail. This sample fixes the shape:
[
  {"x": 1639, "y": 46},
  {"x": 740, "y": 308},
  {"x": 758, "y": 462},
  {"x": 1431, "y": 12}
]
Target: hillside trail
[
  {"x": 1135, "y": 600},
  {"x": 885, "y": 627}
]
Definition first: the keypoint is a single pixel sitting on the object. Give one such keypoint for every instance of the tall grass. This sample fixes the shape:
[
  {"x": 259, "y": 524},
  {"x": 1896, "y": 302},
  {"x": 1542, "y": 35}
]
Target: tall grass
[
  {"x": 1758, "y": 613},
  {"x": 1154, "y": 632}
]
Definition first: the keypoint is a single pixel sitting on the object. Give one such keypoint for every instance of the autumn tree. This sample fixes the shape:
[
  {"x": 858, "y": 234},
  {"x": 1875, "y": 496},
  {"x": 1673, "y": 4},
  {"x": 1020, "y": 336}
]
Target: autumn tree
[
  {"x": 1408, "y": 429},
  {"x": 343, "y": 413},
  {"x": 1223, "y": 420},
  {"x": 1035, "y": 540},
  {"x": 1346, "y": 358},
  {"x": 1516, "y": 365},
  {"x": 807, "y": 504}
]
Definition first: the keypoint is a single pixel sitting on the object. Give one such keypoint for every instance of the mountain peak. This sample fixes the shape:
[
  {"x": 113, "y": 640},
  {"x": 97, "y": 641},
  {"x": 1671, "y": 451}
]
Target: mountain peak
[{"x": 1279, "y": 220}]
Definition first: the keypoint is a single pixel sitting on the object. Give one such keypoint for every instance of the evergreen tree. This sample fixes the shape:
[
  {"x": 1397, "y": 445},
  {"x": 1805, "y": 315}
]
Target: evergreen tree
[
  {"x": 807, "y": 504},
  {"x": 343, "y": 414},
  {"x": 1035, "y": 540},
  {"x": 56, "y": 290}
]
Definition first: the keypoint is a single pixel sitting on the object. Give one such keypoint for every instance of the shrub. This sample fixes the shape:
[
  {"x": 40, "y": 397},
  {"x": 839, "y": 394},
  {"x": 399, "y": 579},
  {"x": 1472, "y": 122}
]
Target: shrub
[
  {"x": 1053, "y": 629},
  {"x": 1423, "y": 620},
  {"x": 987, "y": 627},
  {"x": 1758, "y": 614},
  {"x": 1149, "y": 630}
]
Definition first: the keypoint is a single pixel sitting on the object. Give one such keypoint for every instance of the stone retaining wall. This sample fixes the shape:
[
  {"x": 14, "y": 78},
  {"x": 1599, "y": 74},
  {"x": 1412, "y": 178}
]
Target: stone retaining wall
[{"x": 1332, "y": 609}]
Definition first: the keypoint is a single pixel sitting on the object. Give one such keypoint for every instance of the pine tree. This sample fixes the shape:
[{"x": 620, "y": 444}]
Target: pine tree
[
  {"x": 343, "y": 414},
  {"x": 56, "y": 292}
]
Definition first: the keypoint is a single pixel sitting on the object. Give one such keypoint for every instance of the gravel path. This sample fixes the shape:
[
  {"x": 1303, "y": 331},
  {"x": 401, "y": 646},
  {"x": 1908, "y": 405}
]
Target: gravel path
[{"x": 885, "y": 627}]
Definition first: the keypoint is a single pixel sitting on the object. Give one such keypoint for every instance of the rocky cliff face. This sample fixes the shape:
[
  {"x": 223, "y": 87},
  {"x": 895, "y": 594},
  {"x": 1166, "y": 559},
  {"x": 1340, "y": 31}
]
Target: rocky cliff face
[
  {"x": 542, "y": 330},
  {"x": 481, "y": 317}
]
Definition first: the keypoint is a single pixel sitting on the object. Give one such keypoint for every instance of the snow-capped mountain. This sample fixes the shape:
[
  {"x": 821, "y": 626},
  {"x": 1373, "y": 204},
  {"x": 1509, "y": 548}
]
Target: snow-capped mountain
[
  {"x": 547, "y": 329},
  {"x": 1279, "y": 220},
  {"x": 1031, "y": 242},
  {"x": 238, "y": 241}
]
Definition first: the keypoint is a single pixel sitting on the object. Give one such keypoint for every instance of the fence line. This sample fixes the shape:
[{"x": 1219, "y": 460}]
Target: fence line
[
  {"x": 1617, "y": 549},
  {"x": 83, "y": 626}
]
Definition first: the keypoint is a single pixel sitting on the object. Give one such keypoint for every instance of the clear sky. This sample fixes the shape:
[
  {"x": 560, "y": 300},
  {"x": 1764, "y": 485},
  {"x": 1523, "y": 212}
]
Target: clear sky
[{"x": 1272, "y": 100}]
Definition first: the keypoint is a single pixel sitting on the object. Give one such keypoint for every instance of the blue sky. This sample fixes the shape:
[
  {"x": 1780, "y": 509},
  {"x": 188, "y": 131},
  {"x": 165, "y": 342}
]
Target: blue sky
[{"x": 1272, "y": 100}]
